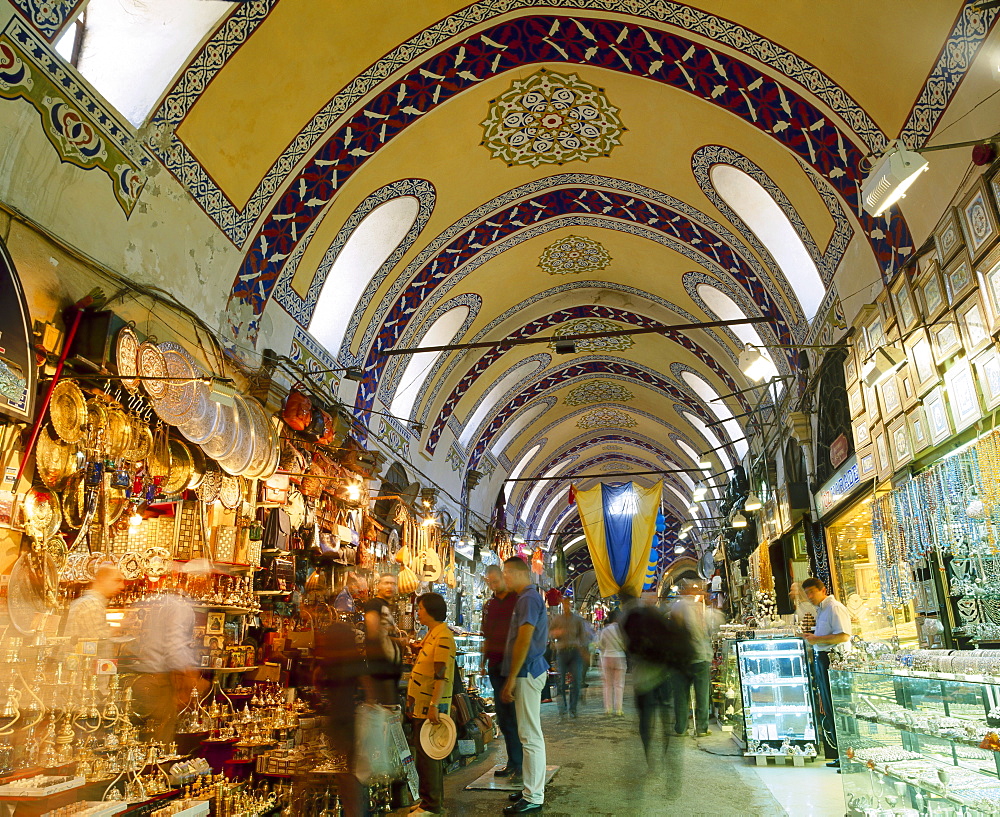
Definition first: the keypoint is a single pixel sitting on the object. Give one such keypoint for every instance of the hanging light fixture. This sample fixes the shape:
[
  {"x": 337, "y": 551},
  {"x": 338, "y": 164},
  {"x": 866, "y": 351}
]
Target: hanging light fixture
[
  {"x": 753, "y": 503},
  {"x": 883, "y": 362},
  {"x": 738, "y": 520},
  {"x": 705, "y": 463},
  {"x": 755, "y": 364},
  {"x": 679, "y": 549},
  {"x": 891, "y": 177}
]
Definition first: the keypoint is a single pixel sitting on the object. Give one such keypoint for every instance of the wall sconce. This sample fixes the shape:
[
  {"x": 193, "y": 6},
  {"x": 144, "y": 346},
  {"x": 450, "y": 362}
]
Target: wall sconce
[
  {"x": 883, "y": 362},
  {"x": 753, "y": 503},
  {"x": 738, "y": 520}
]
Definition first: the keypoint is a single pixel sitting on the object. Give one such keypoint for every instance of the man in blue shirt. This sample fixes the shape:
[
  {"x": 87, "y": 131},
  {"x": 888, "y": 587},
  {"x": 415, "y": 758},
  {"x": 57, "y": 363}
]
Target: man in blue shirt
[{"x": 526, "y": 669}]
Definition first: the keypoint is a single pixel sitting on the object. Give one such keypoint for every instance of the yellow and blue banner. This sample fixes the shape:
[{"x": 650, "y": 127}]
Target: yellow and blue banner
[{"x": 619, "y": 521}]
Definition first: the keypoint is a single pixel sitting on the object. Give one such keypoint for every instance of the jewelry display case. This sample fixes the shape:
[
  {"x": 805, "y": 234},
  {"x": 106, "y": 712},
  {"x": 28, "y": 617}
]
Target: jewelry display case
[
  {"x": 778, "y": 717},
  {"x": 468, "y": 653},
  {"x": 726, "y": 698},
  {"x": 918, "y": 742}
]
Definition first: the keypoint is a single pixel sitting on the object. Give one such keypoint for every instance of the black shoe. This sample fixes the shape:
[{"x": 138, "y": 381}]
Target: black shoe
[
  {"x": 523, "y": 807},
  {"x": 514, "y": 796},
  {"x": 834, "y": 764},
  {"x": 507, "y": 771}
]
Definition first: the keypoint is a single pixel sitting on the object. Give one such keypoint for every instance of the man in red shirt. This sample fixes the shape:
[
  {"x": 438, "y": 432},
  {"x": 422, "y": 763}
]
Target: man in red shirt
[{"x": 497, "y": 613}]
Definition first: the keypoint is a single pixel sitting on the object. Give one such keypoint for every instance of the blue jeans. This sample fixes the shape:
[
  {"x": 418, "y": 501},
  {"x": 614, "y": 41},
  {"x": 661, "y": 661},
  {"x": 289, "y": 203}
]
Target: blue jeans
[
  {"x": 506, "y": 720},
  {"x": 569, "y": 661}
]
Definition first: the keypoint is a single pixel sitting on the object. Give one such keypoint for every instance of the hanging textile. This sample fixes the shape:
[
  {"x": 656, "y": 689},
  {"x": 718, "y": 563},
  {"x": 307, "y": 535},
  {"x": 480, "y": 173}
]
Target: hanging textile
[{"x": 619, "y": 520}]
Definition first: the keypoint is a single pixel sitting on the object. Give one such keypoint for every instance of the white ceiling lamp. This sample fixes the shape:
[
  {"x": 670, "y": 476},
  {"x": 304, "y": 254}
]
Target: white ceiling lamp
[
  {"x": 687, "y": 526},
  {"x": 700, "y": 493},
  {"x": 891, "y": 177},
  {"x": 738, "y": 520},
  {"x": 898, "y": 168},
  {"x": 753, "y": 503},
  {"x": 705, "y": 464},
  {"x": 883, "y": 362},
  {"x": 679, "y": 549}
]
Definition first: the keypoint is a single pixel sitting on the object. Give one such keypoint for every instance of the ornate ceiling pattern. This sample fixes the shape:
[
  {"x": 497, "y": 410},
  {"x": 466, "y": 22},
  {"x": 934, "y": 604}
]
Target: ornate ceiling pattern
[{"x": 574, "y": 254}]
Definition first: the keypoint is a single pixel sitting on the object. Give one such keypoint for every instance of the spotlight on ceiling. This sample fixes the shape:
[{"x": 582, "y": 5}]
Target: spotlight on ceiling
[
  {"x": 755, "y": 364},
  {"x": 687, "y": 526},
  {"x": 739, "y": 520},
  {"x": 705, "y": 463},
  {"x": 753, "y": 503},
  {"x": 354, "y": 373},
  {"x": 882, "y": 363},
  {"x": 891, "y": 178},
  {"x": 565, "y": 347},
  {"x": 679, "y": 549}
]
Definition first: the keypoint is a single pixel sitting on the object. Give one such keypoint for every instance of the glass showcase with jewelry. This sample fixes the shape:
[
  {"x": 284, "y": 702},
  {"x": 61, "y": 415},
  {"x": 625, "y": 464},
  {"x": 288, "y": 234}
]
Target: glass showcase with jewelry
[
  {"x": 777, "y": 706},
  {"x": 918, "y": 731}
]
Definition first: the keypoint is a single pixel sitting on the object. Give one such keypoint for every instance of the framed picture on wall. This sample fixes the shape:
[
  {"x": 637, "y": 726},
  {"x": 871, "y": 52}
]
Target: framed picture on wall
[
  {"x": 938, "y": 422},
  {"x": 862, "y": 435},
  {"x": 962, "y": 397},
  {"x": 958, "y": 278},
  {"x": 918, "y": 429},
  {"x": 889, "y": 398},
  {"x": 902, "y": 299},
  {"x": 851, "y": 368},
  {"x": 215, "y": 624},
  {"x": 945, "y": 341},
  {"x": 921, "y": 358},
  {"x": 979, "y": 220},
  {"x": 932, "y": 300},
  {"x": 947, "y": 236},
  {"x": 866, "y": 463},
  {"x": 899, "y": 443},
  {"x": 987, "y": 369},
  {"x": 882, "y": 461},
  {"x": 855, "y": 399},
  {"x": 907, "y": 385},
  {"x": 972, "y": 321},
  {"x": 875, "y": 332},
  {"x": 989, "y": 282}
]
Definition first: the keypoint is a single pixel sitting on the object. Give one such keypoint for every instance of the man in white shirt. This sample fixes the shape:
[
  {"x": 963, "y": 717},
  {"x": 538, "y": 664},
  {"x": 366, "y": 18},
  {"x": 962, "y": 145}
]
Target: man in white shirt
[{"x": 833, "y": 627}]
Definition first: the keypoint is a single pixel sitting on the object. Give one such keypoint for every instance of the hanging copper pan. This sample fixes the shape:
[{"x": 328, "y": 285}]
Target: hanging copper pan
[{"x": 179, "y": 472}]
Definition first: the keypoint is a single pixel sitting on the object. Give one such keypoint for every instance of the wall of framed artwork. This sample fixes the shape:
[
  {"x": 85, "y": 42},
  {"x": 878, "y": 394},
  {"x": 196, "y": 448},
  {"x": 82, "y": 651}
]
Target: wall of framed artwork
[
  {"x": 866, "y": 463},
  {"x": 907, "y": 386},
  {"x": 988, "y": 271},
  {"x": 906, "y": 309},
  {"x": 862, "y": 433},
  {"x": 919, "y": 435},
  {"x": 890, "y": 402},
  {"x": 883, "y": 463},
  {"x": 946, "y": 341},
  {"x": 855, "y": 399},
  {"x": 921, "y": 358}
]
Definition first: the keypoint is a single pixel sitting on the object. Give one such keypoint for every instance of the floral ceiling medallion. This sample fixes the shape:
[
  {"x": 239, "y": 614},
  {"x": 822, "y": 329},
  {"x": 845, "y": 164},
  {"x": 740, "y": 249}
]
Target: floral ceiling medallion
[
  {"x": 598, "y": 391},
  {"x": 607, "y": 418},
  {"x": 586, "y": 326},
  {"x": 551, "y": 118},
  {"x": 574, "y": 254}
]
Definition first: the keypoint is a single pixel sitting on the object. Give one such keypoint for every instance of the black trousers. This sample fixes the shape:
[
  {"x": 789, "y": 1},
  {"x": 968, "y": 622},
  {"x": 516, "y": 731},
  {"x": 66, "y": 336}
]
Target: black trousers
[
  {"x": 506, "y": 720},
  {"x": 659, "y": 699},
  {"x": 828, "y": 727}
]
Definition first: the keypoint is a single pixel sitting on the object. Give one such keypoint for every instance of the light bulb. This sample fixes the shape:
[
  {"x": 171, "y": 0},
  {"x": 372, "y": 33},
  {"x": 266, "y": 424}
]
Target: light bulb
[
  {"x": 739, "y": 520},
  {"x": 135, "y": 520},
  {"x": 353, "y": 492},
  {"x": 753, "y": 503}
]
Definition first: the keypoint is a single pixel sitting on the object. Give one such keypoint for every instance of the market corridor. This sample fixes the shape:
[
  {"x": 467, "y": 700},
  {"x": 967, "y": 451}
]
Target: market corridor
[{"x": 603, "y": 772}]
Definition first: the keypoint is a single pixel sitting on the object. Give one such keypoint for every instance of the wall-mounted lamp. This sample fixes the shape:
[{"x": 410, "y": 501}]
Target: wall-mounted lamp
[
  {"x": 738, "y": 520},
  {"x": 898, "y": 168},
  {"x": 753, "y": 503},
  {"x": 883, "y": 362}
]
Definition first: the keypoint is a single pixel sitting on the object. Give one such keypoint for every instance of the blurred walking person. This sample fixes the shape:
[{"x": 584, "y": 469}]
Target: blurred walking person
[
  {"x": 611, "y": 643},
  {"x": 571, "y": 636},
  {"x": 700, "y": 622},
  {"x": 497, "y": 613}
]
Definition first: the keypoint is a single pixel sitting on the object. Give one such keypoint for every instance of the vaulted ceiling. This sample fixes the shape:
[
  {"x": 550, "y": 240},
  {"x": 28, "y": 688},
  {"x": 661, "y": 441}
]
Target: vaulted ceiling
[{"x": 556, "y": 167}]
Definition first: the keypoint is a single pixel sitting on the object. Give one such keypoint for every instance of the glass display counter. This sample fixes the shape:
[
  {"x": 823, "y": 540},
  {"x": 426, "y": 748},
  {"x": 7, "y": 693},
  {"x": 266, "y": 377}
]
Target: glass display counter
[
  {"x": 468, "y": 655},
  {"x": 726, "y": 699},
  {"x": 778, "y": 717},
  {"x": 918, "y": 742}
]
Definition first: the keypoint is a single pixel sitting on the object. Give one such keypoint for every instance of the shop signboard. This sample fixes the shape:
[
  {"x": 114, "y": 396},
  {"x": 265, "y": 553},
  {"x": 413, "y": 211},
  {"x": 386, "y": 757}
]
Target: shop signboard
[
  {"x": 838, "y": 451},
  {"x": 838, "y": 487}
]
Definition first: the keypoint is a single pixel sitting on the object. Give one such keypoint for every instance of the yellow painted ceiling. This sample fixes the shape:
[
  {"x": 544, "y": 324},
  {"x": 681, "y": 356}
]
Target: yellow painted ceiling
[{"x": 306, "y": 52}]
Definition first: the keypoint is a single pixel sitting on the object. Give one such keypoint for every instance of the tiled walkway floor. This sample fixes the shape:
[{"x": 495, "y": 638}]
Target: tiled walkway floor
[{"x": 603, "y": 772}]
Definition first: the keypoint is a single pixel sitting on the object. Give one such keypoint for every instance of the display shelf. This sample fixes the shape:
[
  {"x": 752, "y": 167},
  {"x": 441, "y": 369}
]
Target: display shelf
[{"x": 230, "y": 669}]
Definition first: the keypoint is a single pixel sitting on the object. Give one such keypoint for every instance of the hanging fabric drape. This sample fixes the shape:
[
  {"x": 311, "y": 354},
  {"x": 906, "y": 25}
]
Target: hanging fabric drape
[{"x": 619, "y": 520}]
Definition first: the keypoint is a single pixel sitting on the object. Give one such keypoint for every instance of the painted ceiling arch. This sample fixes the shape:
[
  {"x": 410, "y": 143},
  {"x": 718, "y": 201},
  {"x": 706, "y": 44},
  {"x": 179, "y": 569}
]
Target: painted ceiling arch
[
  {"x": 712, "y": 76},
  {"x": 589, "y": 440},
  {"x": 576, "y": 371},
  {"x": 546, "y": 322}
]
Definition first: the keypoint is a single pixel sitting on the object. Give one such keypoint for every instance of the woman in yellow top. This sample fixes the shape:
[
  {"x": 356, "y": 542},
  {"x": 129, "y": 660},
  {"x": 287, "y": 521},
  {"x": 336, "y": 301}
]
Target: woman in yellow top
[{"x": 429, "y": 695}]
